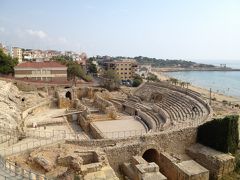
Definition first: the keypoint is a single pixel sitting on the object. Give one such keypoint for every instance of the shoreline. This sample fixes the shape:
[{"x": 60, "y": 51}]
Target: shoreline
[
  {"x": 203, "y": 91},
  {"x": 189, "y": 70}
]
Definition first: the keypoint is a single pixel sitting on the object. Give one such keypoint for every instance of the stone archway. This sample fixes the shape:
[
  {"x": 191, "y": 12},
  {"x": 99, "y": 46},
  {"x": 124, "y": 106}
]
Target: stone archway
[
  {"x": 152, "y": 155},
  {"x": 68, "y": 95}
]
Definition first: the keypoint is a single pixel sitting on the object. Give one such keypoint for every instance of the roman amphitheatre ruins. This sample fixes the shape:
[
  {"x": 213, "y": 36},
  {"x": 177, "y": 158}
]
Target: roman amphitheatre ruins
[{"x": 90, "y": 133}]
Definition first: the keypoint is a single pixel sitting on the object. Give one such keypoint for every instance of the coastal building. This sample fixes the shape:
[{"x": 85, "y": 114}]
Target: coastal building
[
  {"x": 4, "y": 49},
  {"x": 144, "y": 70},
  {"x": 41, "y": 71},
  {"x": 39, "y": 55},
  {"x": 125, "y": 68},
  {"x": 17, "y": 53}
]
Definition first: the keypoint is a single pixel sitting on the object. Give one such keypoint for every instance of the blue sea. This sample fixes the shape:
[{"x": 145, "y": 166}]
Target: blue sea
[{"x": 224, "y": 82}]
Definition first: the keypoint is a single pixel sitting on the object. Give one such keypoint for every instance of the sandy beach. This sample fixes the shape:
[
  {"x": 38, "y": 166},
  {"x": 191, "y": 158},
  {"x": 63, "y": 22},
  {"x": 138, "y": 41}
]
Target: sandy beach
[{"x": 204, "y": 92}]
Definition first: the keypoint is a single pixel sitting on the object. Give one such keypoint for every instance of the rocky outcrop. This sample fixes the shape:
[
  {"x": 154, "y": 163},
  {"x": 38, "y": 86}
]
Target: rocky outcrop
[
  {"x": 44, "y": 163},
  {"x": 70, "y": 160},
  {"x": 10, "y": 103}
]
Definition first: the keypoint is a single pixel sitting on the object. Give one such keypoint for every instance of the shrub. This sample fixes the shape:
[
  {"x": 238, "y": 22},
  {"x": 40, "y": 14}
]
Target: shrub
[
  {"x": 136, "y": 82},
  {"x": 214, "y": 99},
  {"x": 220, "y": 134},
  {"x": 224, "y": 102},
  {"x": 87, "y": 78}
]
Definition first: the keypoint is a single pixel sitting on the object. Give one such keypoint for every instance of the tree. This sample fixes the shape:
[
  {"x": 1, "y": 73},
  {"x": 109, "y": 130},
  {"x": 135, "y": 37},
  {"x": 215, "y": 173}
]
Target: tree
[
  {"x": 110, "y": 80},
  {"x": 92, "y": 68},
  {"x": 152, "y": 77},
  {"x": 7, "y": 63},
  {"x": 111, "y": 74},
  {"x": 137, "y": 80},
  {"x": 74, "y": 70},
  {"x": 63, "y": 59},
  {"x": 182, "y": 84},
  {"x": 221, "y": 134},
  {"x": 188, "y": 84},
  {"x": 174, "y": 81}
]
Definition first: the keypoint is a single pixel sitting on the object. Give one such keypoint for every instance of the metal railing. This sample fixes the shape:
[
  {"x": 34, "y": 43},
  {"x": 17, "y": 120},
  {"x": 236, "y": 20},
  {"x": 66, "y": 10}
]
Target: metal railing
[
  {"x": 10, "y": 167},
  {"x": 124, "y": 134},
  {"x": 18, "y": 148},
  {"x": 16, "y": 171},
  {"x": 62, "y": 134}
]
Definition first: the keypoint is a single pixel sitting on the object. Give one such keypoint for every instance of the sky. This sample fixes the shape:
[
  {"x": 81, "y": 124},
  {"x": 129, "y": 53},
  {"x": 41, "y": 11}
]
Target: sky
[{"x": 200, "y": 30}]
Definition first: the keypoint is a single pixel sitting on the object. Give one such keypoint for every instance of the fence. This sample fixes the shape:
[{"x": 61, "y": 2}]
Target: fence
[
  {"x": 124, "y": 134},
  {"x": 8, "y": 131},
  {"x": 186, "y": 124},
  {"x": 11, "y": 167},
  {"x": 4, "y": 138},
  {"x": 18, "y": 172},
  {"x": 60, "y": 134},
  {"x": 18, "y": 148}
]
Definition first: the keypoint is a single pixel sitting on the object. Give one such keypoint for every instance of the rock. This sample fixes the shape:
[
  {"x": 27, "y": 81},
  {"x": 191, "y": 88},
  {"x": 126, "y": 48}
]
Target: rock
[
  {"x": 42, "y": 94},
  {"x": 44, "y": 163},
  {"x": 70, "y": 160},
  {"x": 9, "y": 105}
]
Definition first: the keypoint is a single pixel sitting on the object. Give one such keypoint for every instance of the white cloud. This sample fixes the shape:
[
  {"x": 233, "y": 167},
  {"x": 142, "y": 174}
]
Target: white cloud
[
  {"x": 2, "y": 29},
  {"x": 38, "y": 33}
]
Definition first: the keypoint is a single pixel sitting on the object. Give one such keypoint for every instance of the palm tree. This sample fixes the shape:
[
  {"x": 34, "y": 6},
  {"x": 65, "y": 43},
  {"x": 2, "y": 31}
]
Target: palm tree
[
  {"x": 175, "y": 81},
  {"x": 188, "y": 84},
  {"x": 182, "y": 84}
]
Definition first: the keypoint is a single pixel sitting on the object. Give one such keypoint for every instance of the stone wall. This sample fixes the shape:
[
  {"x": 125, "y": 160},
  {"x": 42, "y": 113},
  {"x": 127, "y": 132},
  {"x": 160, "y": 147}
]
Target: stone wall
[
  {"x": 64, "y": 103},
  {"x": 129, "y": 110},
  {"x": 216, "y": 162},
  {"x": 95, "y": 132},
  {"x": 37, "y": 108},
  {"x": 174, "y": 169},
  {"x": 167, "y": 166},
  {"x": 105, "y": 105},
  {"x": 122, "y": 150},
  {"x": 147, "y": 120},
  {"x": 84, "y": 123}
]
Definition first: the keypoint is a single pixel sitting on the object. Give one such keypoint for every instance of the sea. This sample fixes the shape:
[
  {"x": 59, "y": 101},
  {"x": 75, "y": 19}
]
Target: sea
[{"x": 223, "y": 82}]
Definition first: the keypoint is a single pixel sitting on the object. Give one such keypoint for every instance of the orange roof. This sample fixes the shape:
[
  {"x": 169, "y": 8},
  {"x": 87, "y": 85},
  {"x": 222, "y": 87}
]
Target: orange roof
[{"x": 46, "y": 64}]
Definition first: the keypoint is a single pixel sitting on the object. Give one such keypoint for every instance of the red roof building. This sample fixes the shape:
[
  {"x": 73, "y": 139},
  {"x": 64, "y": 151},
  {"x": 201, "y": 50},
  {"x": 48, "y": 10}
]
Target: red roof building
[{"x": 41, "y": 71}]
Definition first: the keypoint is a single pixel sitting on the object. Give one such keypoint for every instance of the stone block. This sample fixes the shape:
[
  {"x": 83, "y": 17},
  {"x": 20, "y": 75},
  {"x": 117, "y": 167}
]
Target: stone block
[{"x": 216, "y": 162}]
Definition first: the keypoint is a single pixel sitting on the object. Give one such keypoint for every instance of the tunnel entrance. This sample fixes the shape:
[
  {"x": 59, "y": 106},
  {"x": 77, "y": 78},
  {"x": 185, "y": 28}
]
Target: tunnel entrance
[
  {"x": 68, "y": 95},
  {"x": 151, "y": 155}
]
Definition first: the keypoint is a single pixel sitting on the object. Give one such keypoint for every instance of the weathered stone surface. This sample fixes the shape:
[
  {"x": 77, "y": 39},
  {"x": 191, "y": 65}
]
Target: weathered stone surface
[
  {"x": 216, "y": 162},
  {"x": 140, "y": 169},
  {"x": 70, "y": 160},
  {"x": 44, "y": 163},
  {"x": 10, "y": 105}
]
